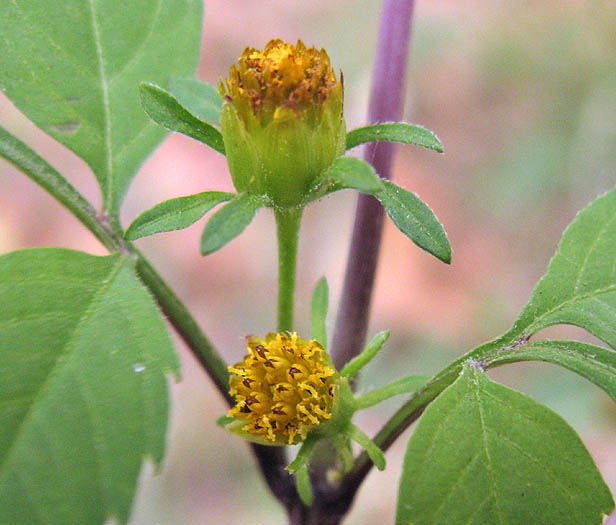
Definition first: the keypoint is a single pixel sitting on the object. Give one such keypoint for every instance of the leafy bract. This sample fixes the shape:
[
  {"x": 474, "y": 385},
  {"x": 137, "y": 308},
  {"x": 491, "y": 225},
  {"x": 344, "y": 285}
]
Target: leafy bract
[
  {"x": 319, "y": 306},
  {"x": 394, "y": 132},
  {"x": 415, "y": 219},
  {"x": 164, "y": 108},
  {"x": 73, "y": 67},
  {"x": 83, "y": 393},
  {"x": 175, "y": 214},
  {"x": 228, "y": 222},
  {"x": 350, "y": 172},
  {"x": 483, "y": 453},
  {"x": 579, "y": 287},
  {"x": 201, "y": 99}
]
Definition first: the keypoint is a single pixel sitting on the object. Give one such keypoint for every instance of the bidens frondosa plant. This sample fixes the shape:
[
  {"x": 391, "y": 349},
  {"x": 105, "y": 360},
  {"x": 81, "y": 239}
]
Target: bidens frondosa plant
[
  {"x": 283, "y": 132},
  {"x": 281, "y": 120},
  {"x": 481, "y": 453}
]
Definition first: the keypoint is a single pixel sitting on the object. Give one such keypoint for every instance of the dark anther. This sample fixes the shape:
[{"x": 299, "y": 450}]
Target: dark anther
[
  {"x": 250, "y": 400},
  {"x": 245, "y": 410},
  {"x": 279, "y": 411},
  {"x": 269, "y": 363},
  {"x": 293, "y": 371},
  {"x": 260, "y": 350}
]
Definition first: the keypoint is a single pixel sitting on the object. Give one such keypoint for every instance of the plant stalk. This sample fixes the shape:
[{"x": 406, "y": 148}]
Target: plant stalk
[
  {"x": 386, "y": 101},
  {"x": 287, "y": 223}
]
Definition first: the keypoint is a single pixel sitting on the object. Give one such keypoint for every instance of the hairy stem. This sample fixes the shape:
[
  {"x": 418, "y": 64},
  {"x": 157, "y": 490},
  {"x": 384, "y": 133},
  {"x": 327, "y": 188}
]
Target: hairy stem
[
  {"x": 386, "y": 102},
  {"x": 287, "y": 222}
]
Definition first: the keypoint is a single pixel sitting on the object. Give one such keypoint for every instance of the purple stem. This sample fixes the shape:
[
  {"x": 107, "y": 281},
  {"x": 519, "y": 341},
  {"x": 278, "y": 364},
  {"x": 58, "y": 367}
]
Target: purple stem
[{"x": 386, "y": 102}]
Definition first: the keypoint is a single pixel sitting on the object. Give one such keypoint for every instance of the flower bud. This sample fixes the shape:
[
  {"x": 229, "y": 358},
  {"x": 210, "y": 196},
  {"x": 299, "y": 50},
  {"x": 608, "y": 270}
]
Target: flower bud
[{"x": 281, "y": 121}]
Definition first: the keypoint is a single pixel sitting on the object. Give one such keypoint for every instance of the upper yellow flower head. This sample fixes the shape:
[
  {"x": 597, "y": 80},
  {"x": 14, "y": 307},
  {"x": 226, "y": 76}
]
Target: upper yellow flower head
[
  {"x": 282, "y": 120},
  {"x": 280, "y": 82},
  {"x": 283, "y": 388}
]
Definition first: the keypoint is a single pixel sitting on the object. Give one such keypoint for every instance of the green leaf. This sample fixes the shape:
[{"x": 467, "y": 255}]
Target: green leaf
[
  {"x": 164, "y": 108},
  {"x": 416, "y": 220},
  {"x": 404, "y": 385},
  {"x": 350, "y": 172},
  {"x": 375, "y": 453},
  {"x": 201, "y": 99},
  {"x": 175, "y": 214},
  {"x": 320, "y": 302},
  {"x": 483, "y": 453},
  {"x": 73, "y": 67},
  {"x": 228, "y": 222},
  {"x": 303, "y": 485},
  {"x": 394, "y": 132},
  {"x": 83, "y": 392},
  {"x": 595, "y": 363},
  {"x": 579, "y": 287},
  {"x": 367, "y": 354}
]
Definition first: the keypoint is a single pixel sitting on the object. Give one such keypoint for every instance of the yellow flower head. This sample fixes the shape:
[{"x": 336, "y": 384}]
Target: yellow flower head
[
  {"x": 280, "y": 81},
  {"x": 283, "y": 388},
  {"x": 281, "y": 121}
]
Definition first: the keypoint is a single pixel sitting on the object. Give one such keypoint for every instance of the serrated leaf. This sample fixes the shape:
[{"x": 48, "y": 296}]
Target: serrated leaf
[
  {"x": 201, "y": 99},
  {"x": 416, "y": 220},
  {"x": 483, "y": 453},
  {"x": 73, "y": 67},
  {"x": 175, "y": 214},
  {"x": 579, "y": 287},
  {"x": 595, "y": 363},
  {"x": 351, "y": 172},
  {"x": 83, "y": 393},
  {"x": 166, "y": 110},
  {"x": 228, "y": 222},
  {"x": 319, "y": 305},
  {"x": 394, "y": 132}
]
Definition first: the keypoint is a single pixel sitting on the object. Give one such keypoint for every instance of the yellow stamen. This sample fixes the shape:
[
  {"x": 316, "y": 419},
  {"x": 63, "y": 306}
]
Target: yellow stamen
[{"x": 283, "y": 387}]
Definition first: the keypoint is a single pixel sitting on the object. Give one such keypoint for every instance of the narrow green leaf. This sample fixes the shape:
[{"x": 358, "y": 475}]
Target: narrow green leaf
[
  {"x": 319, "y": 305},
  {"x": 404, "y": 385},
  {"x": 579, "y": 287},
  {"x": 303, "y": 454},
  {"x": 228, "y": 222},
  {"x": 595, "y": 363},
  {"x": 416, "y": 220},
  {"x": 394, "y": 132},
  {"x": 483, "y": 453},
  {"x": 375, "y": 453},
  {"x": 73, "y": 67},
  {"x": 351, "y": 172},
  {"x": 175, "y": 214},
  {"x": 201, "y": 99},
  {"x": 83, "y": 392},
  {"x": 367, "y": 354},
  {"x": 303, "y": 485},
  {"x": 166, "y": 110}
]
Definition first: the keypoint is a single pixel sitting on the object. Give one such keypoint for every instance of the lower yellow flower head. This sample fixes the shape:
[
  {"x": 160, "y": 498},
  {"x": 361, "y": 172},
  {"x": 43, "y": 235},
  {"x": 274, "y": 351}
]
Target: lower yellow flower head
[{"x": 283, "y": 388}]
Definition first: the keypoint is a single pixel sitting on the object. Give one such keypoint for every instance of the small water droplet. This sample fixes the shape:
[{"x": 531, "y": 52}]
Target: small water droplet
[{"x": 138, "y": 367}]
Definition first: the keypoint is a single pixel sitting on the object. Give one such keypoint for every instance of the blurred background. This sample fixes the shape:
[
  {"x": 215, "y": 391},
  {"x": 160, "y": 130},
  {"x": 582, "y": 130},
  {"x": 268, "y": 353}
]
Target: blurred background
[{"x": 523, "y": 97}]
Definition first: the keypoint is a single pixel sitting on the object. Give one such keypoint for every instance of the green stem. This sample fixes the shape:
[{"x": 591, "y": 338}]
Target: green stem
[{"x": 287, "y": 222}]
